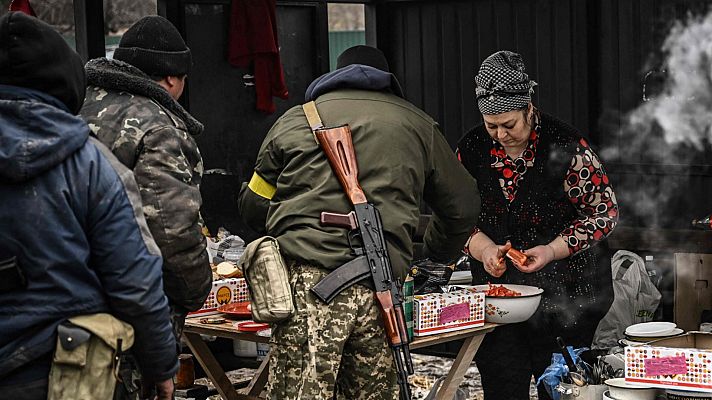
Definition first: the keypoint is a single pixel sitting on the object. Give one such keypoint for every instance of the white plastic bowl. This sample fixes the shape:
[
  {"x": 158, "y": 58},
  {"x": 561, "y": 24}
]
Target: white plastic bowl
[
  {"x": 621, "y": 390},
  {"x": 651, "y": 329},
  {"x": 509, "y": 310}
]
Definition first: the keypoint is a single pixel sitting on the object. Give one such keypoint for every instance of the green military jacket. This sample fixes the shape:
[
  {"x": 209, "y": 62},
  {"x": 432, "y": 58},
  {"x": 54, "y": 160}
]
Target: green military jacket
[
  {"x": 151, "y": 134},
  {"x": 403, "y": 161}
]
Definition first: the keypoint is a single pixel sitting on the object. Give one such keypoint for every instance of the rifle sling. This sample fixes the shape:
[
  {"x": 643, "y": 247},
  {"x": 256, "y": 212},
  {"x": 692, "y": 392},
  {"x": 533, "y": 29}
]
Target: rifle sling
[{"x": 313, "y": 117}]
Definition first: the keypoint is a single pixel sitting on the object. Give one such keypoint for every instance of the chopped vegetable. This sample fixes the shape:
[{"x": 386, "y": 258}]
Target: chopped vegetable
[{"x": 500, "y": 291}]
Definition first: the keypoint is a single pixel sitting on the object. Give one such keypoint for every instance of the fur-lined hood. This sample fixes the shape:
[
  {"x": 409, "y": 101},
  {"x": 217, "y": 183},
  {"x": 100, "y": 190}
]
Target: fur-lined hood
[{"x": 118, "y": 75}]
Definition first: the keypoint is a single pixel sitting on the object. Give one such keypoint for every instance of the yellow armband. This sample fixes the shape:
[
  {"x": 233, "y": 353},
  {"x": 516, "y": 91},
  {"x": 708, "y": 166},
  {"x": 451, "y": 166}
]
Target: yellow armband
[{"x": 261, "y": 187}]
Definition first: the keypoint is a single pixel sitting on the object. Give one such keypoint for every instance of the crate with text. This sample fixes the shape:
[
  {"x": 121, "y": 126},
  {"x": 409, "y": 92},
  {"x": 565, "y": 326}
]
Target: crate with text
[
  {"x": 683, "y": 362},
  {"x": 445, "y": 312},
  {"x": 224, "y": 291}
]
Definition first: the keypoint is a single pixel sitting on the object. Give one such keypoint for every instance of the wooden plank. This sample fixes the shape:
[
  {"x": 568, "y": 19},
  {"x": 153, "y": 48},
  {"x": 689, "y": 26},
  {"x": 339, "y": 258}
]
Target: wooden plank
[
  {"x": 259, "y": 381},
  {"x": 211, "y": 366},
  {"x": 424, "y": 341},
  {"x": 546, "y": 28},
  {"x": 564, "y": 59},
  {"x": 504, "y": 21},
  {"x": 486, "y": 30},
  {"x": 607, "y": 62},
  {"x": 459, "y": 366},
  {"x": 413, "y": 55},
  {"x": 469, "y": 65},
  {"x": 431, "y": 44},
  {"x": 451, "y": 66},
  {"x": 581, "y": 85},
  {"x": 226, "y": 330}
]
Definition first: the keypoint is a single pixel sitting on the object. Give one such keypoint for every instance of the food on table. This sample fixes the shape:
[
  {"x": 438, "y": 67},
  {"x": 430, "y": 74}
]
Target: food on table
[
  {"x": 228, "y": 270},
  {"x": 500, "y": 291},
  {"x": 213, "y": 321}
]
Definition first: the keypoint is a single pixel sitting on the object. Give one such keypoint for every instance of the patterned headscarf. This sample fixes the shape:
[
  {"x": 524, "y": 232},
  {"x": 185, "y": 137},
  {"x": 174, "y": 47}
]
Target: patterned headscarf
[{"x": 502, "y": 83}]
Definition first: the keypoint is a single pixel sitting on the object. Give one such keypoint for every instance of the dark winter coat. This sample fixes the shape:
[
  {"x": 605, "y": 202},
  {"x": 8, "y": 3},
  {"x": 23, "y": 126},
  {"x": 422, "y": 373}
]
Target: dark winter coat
[
  {"x": 151, "y": 134},
  {"x": 403, "y": 159},
  {"x": 70, "y": 213}
]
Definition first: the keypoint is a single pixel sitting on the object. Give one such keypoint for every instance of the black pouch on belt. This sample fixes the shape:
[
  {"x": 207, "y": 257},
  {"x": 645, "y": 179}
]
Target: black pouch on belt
[{"x": 11, "y": 276}]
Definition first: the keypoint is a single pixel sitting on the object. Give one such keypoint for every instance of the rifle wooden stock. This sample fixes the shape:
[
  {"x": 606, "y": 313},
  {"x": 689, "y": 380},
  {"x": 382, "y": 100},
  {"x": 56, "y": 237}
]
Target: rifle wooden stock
[
  {"x": 390, "y": 318},
  {"x": 339, "y": 149}
]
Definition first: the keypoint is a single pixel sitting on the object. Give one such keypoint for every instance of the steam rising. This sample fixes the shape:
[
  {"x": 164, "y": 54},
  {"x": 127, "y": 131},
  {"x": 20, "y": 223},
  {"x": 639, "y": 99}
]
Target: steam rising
[
  {"x": 683, "y": 110},
  {"x": 672, "y": 126}
]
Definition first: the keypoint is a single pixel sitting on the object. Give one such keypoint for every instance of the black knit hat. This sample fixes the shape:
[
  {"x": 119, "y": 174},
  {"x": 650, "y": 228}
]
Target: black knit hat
[
  {"x": 364, "y": 55},
  {"x": 34, "y": 56},
  {"x": 154, "y": 46}
]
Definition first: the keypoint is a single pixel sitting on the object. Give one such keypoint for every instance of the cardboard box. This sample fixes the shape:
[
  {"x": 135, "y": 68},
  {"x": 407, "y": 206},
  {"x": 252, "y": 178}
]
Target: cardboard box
[
  {"x": 683, "y": 362},
  {"x": 445, "y": 312},
  {"x": 693, "y": 289},
  {"x": 224, "y": 291}
]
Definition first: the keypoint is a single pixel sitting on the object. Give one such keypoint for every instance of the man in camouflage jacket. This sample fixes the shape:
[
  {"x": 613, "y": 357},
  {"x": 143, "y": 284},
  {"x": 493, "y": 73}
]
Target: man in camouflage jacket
[{"x": 131, "y": 107}]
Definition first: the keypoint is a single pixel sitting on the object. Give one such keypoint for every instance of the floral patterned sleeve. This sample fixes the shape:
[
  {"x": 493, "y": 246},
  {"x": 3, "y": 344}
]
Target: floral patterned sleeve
[{"x": 588, "y": 189}]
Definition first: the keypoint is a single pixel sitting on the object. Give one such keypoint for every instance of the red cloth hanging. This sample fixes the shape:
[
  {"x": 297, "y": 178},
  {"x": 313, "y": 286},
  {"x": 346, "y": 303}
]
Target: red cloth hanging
[
  {"x": 253, "y": 39},
  {"x": 22, "y": 6}
]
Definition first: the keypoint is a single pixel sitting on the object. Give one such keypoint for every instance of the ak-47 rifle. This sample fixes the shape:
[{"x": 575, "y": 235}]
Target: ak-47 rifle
[{"x": 365, "y": 222}]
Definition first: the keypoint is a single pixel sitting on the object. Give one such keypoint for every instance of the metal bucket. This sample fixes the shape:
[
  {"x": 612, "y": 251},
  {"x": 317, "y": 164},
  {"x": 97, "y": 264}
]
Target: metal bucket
[{"x": 569, "y": 391}]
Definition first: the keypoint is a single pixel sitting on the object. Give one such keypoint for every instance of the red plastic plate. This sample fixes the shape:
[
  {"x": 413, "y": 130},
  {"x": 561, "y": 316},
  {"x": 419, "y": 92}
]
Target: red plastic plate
[
  {"x": 251, "y": 326},
  {"x": 236, "y": 310}
]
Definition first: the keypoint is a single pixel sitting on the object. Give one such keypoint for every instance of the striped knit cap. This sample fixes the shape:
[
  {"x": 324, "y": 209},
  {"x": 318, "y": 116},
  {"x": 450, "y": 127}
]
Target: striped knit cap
[{"x": 502, "y": 84}]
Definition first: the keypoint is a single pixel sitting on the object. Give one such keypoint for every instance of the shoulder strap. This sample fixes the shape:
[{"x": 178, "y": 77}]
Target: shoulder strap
[{"x": 312, "y": 117}]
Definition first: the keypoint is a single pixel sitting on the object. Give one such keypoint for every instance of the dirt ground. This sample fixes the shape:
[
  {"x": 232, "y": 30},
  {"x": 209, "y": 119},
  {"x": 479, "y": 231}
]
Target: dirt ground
[{"x": 427, "y": 370}]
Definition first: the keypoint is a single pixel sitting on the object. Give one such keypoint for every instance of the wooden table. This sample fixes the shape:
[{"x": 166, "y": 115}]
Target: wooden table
[{"x": 193, "y": 329}]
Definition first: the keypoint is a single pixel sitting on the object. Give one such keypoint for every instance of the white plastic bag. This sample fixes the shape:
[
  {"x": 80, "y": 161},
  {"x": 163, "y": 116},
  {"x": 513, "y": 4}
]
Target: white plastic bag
[
  {"x": 635, "y": 299},
  {"x": 227, "y": 248}
]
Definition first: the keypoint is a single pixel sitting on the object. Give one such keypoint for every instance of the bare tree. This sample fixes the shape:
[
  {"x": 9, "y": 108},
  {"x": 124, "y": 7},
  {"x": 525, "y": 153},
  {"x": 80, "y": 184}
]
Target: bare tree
[
  {"x": 118, "y": 14},
  {"x": 346, "y": 17}
]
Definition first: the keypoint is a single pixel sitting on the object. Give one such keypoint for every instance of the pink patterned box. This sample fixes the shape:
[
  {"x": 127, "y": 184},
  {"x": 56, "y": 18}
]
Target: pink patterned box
[
  {"x": 445, "y": 312},
  {"x": 224, "y": 291},
  {"x": 682, "y": 362}
]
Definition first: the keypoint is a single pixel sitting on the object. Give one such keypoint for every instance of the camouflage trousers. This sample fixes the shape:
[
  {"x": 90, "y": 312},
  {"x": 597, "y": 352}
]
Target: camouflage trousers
[{"x": 330, "y": 351}]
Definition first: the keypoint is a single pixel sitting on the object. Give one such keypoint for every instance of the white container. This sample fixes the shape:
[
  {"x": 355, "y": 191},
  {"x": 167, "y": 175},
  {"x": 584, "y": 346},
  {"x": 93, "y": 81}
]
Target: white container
[
  {"x": 244, "y": 348},
  {"x": 588, "y": 392},
  {"x": 513, "y": 309},
  {"x": 263, "y": 348},
  {"x": 262, "y": 351},
  {"x": 621, "y": 390}
]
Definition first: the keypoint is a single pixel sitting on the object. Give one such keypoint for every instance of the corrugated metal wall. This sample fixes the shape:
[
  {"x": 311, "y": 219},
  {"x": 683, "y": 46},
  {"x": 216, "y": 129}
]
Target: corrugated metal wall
[
  {"x": 437, "y": 46},
  {"x": 589, "y": 58},
  {"x": 219, "y": 96}
]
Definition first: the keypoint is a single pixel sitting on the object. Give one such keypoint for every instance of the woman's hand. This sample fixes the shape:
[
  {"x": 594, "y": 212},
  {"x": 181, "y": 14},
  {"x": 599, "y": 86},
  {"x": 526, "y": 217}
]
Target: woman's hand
[
  {"x": 493, "y": 259},
  {"x": 538, "y": 257}
]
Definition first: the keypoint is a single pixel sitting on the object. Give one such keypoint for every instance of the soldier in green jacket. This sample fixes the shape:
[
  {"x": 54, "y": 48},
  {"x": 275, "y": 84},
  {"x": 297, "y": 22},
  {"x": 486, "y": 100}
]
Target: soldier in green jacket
[
  {"x": 403, "y": 161},
  {"x": 131, "y": 107}
]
